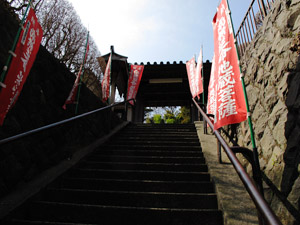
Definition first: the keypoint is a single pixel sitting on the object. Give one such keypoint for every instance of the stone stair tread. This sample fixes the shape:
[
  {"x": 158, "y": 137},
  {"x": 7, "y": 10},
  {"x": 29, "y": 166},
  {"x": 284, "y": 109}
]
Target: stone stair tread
[
  {"x": 153, "y": 157},
  {"x": 148, "y": 159},
  {"x": 141, "y": 171},
  {"x": 127, "y": 207},
  {"x": 144, "y": 166},
  {"x": 141, "y": 174},
  {"x": 137, "y": 163},
  {"x": 69, "y": 212},
  {"x": 136, "y": 185},
  {"x": 147, "y": 152},
  {"x": 132, "y": 198},
  {"x": 159, "y": 132},
  {"x": 142, "y": 181},
  {"x": 167, "y": 134},
  {"x": 158, "y": 138},
  {"x": 168, "y": 143},
  {"x": 152, "y": 147},
  {"x": 130, "y": 192},
  {"x": 36, "y": 222}
]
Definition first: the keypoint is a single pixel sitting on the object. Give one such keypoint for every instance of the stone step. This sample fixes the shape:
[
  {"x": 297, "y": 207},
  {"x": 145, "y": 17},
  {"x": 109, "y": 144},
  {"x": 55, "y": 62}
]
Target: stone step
[
  {"x": 156, "y": 138},
  {"x": 132, "y": 199},
  {"x": 146, "y": 159},
  {"x": 143, "y": 166},
  {"x": 129, "y": 133},
  {"x": 158, "y": 131},
  {"x": 156, "y": 142},
  {"x": 108, "y": 215},
  {"x": 150, "y": 147},
  {"x": 139, "y": 175},
  {"x": 135, "y": 185},
  {"x": 38, "y": 222},
  {"x": 108, "y": 151},
  {"x": 161, "y": 125}
]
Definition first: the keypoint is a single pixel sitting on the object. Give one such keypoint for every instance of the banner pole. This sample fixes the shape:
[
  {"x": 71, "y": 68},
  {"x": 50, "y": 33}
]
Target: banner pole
[
  {"x": 110, "y": 78},
  {"x": 5, "y": 68},
  {"x": 255, "y": 152},
  {"x": 80, "y": 79},
  {"x": 203, "y": 96}
]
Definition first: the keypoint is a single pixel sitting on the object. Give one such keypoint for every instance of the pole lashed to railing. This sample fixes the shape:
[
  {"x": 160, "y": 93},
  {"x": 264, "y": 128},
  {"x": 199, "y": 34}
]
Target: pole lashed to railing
[{"x": 252, "y": 22}]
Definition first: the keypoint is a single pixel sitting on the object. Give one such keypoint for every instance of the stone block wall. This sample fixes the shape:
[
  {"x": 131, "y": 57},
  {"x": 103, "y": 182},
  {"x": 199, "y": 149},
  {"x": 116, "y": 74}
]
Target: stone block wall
[
  {"x": 40, "y": 103},
  {"x": 272, "y": 75}
]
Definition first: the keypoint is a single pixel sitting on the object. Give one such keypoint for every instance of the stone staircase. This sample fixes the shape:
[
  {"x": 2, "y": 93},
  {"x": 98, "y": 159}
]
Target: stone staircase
[{"x": 147, "y": 174}]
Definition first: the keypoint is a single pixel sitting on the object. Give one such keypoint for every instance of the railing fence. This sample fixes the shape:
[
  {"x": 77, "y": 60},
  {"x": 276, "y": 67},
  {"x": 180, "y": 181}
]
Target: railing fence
[{"x": 252, "y": 22}]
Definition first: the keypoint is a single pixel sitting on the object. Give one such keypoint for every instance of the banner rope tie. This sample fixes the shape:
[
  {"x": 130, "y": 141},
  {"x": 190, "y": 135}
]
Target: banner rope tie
[{"x": 12, "y": 53}]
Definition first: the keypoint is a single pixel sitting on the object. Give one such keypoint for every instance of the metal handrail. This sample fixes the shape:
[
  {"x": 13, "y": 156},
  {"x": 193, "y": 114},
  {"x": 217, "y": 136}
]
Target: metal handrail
[
  {"x": 251, "y": 188},
  {"x": 19, "y": 136}
]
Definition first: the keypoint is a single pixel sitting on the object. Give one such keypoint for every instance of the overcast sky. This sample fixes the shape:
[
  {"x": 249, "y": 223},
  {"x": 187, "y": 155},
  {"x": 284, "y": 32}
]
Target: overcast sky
[{"x": 155, "y": 30}]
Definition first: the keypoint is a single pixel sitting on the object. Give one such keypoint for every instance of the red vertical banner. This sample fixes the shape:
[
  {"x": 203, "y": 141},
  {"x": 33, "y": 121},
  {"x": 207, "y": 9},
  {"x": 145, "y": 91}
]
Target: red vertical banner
[
  {"x": 72, "y": 96},
  {"x": 24, "y": 57},
  {"x": 230, "y": 102},
  {"x": 211, "y": 100},
  {"x": 191, "y": 72},
  {"x": 106, "y": 81},
  {"x": 194, "y": 75},
  {"x": 136, "y": 72}
]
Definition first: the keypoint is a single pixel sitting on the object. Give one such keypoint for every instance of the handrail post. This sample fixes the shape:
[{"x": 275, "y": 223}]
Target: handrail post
[
  {"x": 263, "y": 8},
  {"x": 204, "y": 121},
  {"x": 219, "y": 151}
]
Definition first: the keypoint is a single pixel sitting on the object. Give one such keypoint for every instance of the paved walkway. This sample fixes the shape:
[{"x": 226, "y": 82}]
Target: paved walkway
[{"x": 234, "y": 200}]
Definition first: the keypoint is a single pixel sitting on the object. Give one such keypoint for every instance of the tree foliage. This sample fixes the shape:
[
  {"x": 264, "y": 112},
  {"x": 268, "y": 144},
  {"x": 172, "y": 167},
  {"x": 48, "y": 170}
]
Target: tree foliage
[
  {"x": 172, "y": 115},
  {"x": 63, "y": 34},
  {"x": 169, "y": 117},
  {"x": 157, "y": 118},
  {"x": 184, "y": 115}
]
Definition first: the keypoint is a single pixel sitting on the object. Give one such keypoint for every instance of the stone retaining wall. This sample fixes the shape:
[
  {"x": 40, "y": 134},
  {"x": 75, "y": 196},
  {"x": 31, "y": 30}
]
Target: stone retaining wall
[{"x": 272, "y": 76}]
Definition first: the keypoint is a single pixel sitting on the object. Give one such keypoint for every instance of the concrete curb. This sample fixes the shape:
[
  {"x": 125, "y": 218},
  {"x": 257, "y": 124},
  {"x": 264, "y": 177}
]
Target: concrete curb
[{"x": 234, "y": 200}]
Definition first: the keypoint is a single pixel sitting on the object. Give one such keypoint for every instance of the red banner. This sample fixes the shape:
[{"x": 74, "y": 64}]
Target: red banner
[
  {"x": 211, "y": 100},
  {"x": 25, "y": 53},
  {"x": 72, "y": 96},
  {"x": 230, "y": 102},
  {"x": 134, "y": 80},
  {"x": 194, "y": 76},
  {"x": 106, "y": 81}
]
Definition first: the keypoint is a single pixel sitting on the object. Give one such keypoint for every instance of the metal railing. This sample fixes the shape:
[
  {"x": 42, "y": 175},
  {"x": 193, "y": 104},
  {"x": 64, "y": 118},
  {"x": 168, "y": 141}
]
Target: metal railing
[
  {"x": 252, "y": 22},
  {"x": 262, "y": 206},
  {"x": 34, "y": 131}
]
